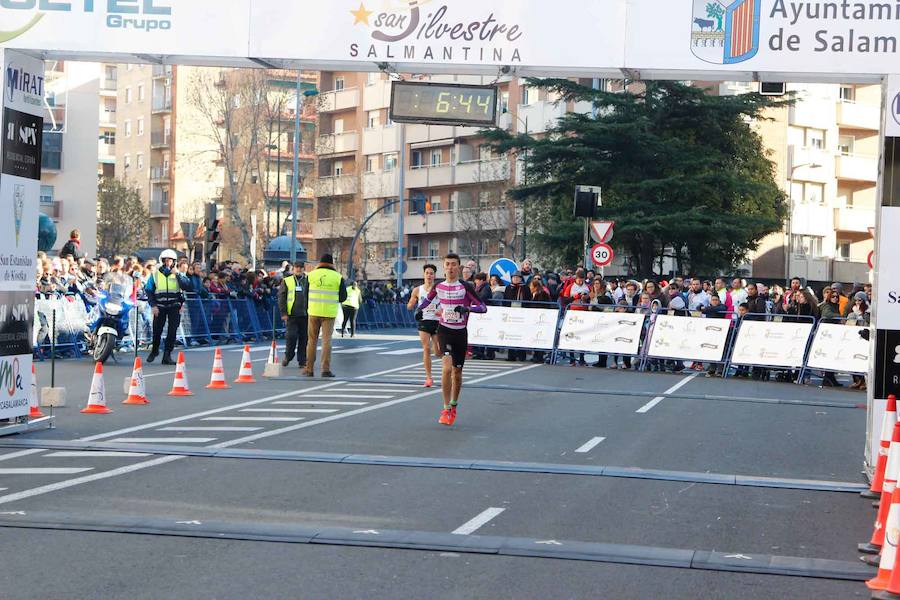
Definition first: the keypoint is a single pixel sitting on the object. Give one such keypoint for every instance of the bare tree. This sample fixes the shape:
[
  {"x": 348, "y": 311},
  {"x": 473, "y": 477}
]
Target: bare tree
[
  {"x": 121, "y": 218},
  {"x": 485, "y": 218}
]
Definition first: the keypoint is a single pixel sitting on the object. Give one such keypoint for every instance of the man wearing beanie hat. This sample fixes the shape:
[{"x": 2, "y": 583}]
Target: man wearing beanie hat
[{"x": 327, "y": 291}]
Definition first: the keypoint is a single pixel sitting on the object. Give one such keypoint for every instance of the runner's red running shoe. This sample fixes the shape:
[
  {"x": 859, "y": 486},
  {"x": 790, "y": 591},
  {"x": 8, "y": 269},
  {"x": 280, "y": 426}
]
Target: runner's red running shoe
[
  {"x": 452, "y": 415},
  {"x": 429, "y": 382},
  {"x": 445, "y": 417}
]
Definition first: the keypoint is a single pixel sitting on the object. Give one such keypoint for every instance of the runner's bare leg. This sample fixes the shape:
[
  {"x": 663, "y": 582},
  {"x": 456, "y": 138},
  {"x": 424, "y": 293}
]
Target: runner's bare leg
[{"x": 447, "y": 380}]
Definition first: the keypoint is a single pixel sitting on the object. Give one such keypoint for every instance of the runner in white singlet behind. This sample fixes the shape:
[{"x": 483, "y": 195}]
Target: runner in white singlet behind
[
  {"x": 458, "y": 299},
  {"x": 428, "y": 326}
]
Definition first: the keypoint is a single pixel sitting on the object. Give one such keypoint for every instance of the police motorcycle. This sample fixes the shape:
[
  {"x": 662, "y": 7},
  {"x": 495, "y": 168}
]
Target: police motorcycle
[{"x": 108, "y": 321}]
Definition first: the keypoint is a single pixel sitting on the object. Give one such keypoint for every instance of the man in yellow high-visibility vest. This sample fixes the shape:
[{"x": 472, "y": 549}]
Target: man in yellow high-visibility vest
[
  {"x": 327, "y": 291},
  {"x": 350, "y": 308},
  {"x": 292, "y": 302}
]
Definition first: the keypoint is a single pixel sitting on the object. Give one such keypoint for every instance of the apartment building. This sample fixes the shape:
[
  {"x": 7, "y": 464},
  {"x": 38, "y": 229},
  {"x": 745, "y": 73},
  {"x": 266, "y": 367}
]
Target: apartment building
[
  {"x": 825, "y": 149},
  {"x": 69, "y": 160},
  {"x": 106, "y": 145},
  {"x": 455, "y": 187}
]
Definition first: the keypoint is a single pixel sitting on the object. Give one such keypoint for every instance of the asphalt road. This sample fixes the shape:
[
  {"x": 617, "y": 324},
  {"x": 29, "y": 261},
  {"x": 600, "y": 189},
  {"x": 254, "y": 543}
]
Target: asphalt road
[{"x": 556, "y": 482}]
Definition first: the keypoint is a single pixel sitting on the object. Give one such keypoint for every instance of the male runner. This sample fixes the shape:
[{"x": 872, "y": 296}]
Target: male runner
[{"x": 457, "y": 299}]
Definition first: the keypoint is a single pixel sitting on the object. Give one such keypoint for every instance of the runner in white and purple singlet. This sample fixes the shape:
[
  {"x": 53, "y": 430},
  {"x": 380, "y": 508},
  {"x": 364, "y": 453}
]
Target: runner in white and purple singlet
[{"x": 457, "y": 299}]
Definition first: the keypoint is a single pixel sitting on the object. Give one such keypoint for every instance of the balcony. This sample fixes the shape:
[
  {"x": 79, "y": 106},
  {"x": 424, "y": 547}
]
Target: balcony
[
  {"x": 162, "y": 104},
  {"x": 338, "y": 100},
  {"x": 162, "y": 71},
  {"x": 337, "y": 143},
  {"x": 381, "y": 185},
  {"x": 816, "y": 113},
  {"x": 423, "y": 176},
  {"x": 159, "y": 174},
  {"x": 107, "y": 118},
  {"x": 327, "y": 229},
  {"x": 159, "y": 208},
  {"x": 856, "y": 220},
  {"x": 106, "y": 152},
  {"x": 160, "y": 139},
  {"x": 851, "y": 271},
  {"x": 540, "y": 116},
  {"x": 858, "y": 116},
  {"x": 439, "y": 222},
  {"x": 108, "y": 87},
  {"x": 381, "y": 139},
  {"x": 338, "y": 185},
  {"x": 803, "y": 157},
  {"x": 482, "y": 171},
  {"x": 856, "y": 167}
]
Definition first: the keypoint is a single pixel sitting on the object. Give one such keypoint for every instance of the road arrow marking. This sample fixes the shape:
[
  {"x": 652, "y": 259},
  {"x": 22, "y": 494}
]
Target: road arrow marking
[{"x": 739, "y": 556}]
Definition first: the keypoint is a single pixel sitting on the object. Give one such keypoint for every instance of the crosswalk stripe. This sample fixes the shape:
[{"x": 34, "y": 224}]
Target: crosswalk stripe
[
  {"x": 320, "y": 403},
  {"x": 368, "y": 397},
  {"x": 209, "y": 428},
  {"x": 373, "y": 386},
  {"x": 94, "y": 454},
  {"x": 403, "y": 352},
  {"x": 362, "y": 350},
  {"x": 291, "y": 410},
  {"x": 285, "y": 419},
  {"x": 163, "y": 440},
  {"x": 45, "y": 471}
]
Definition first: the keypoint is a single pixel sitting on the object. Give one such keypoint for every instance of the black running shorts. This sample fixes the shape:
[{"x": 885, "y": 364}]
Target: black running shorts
[
  {"x": 429, "y": 327},
  {"x": 454, "y": 343}
]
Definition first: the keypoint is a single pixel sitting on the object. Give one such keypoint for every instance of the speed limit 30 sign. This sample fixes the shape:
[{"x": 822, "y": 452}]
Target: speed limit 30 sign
[{"x": 602, "y": 255}]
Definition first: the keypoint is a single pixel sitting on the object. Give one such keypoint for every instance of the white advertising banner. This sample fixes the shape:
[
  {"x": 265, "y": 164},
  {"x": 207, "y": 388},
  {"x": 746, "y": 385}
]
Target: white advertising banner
[
  {"x": 689, "y": 338},
  {"x": 576, "y": 34},
  {"x": 838, "y": 347},
  {"x": 771, "y": 344},
  {"x": 774, "y": 36},
  {"x": 892, "y": 119},
  {"x": 20, "y": 186},
  {"x": 509, "y": 327},
  {"x": 601, "y": 332},
  {"x": 887, "y": 300}
]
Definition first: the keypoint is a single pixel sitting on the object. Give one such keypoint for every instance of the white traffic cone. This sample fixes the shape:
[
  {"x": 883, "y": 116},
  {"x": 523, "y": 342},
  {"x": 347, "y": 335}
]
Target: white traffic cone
[{"x": 96, "y": 404}]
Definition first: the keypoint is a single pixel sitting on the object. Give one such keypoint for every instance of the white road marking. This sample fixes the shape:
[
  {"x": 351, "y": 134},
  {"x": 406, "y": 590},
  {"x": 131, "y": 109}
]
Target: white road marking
[
  {"x": 185, "y": 429},
  {"x": 362, "y": 350},
  {"x": 288, "y": 419},
  {"x": 3, "y": 489},
  {"x": 380, "y": 373},
  {"x": 188, "y": 522},
  {"x": 646, "y": 408},
  {"x": 20, "y": 453},
  {"x": 403, "y": 352},
  {"x": 95, "y": 454},
  {"x": 348, "y": 396},
  {"x": 372, "y": 385},
  {"x": 478, "y": 522},
  {"x": 257, "y": 349},
  {"x": 590, "y": 445},
  {"x": 320, "y": 403},
  {"x": 45, "y": 471},
  {"x": 549, "y": 543},
  {"x": 148, "y": 375},
  {"x": 291, "y": 410},
  {"x": 61, "y": 485},
  {"x": 163, "y": 440}
]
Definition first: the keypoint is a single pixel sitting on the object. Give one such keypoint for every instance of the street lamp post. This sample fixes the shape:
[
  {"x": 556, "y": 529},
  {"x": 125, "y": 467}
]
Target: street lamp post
[
  {"x": 295, "y": 180},
  {"x": 790, "y": 231}
]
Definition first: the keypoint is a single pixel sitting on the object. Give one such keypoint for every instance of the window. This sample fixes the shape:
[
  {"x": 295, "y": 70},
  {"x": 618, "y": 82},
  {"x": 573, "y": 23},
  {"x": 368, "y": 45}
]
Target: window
[
  {"x": 415, "y": 249},
  {"x": 372, "y": 163},
  {"x": 436, "y": 156},
  {"x": 109, "y": 73},
  {"x": 126, "y": 161},
  {"x": 815, "y": 138},
  {"x": 504, "y": 102},
  {"x": 109, "y": 138},
  {"x": 390, "y": 209},
  {"x": 434, "y": 249},
  {"x": 848, "y": 93},
  {"x": 140, "y": 126},
  {"x": 484, "y": 198},
  {"x": 843, "y": 250},
  {"x": 338, "y": 168},
  {"x": 529, "y": 95},
  {"x": 416, "y": 159},
  {"x": 140, "y": 161},
  {"x": 485, "y": 153},
  {"x": 128, "y": 95},
  {"x": 814, "y": 193},
  {"x": 435, "y": 204},
  {"x": 51, "y": 149},
  {"x": 845, "y": 144},
  {"x": 127, "y": 127},
  {"x": 807, "y": 245},
  {"x": 452, "y": 203},
  {"x": 389, "y": 252},
  {"x": 481, "y": 247},
  {"x": 141, "y": 94},
  {"x": 338, "y": 84},
  {"x": 46, "y": 194},
  {"x": 374, "y": 119},
  {"x": 372, "y": 78},
  {"x": 338, "y": 126},
  {"x": 390, "y": 162}
]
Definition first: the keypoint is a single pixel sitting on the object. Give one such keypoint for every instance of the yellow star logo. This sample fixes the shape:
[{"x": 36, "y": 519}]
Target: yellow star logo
[{"x": 361, "y": 15}]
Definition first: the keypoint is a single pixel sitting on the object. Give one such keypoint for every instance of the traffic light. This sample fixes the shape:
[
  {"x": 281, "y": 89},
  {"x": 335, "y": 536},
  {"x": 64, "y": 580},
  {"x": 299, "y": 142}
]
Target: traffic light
[{"x": 213, "y": 232}]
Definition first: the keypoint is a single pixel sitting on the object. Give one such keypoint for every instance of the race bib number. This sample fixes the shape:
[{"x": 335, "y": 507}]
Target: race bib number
[{"x": 451, "y": 316}]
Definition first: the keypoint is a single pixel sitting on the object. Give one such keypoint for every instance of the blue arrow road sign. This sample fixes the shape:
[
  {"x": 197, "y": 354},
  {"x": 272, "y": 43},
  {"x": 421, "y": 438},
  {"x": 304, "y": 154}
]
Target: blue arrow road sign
[{"x": 504, "y": 268}]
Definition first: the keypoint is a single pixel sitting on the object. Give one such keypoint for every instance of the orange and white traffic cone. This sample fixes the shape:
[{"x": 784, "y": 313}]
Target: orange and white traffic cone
[
  {"x": 888, "y": 561},
  {"x": 887, "y": 427},
  {"x": 34, "y": 409},
  {"x": 180, "y": 386},
  {"x": 137, "y": 392},
  {"x": 96, "y": 404},
  {"x": 217, "y": 379},
  {"x": 273, "y": 354},
  {"x": 876, "y": 543},
  {"x": 246, "y": 373},
  {"x": 892, "y": 591}
]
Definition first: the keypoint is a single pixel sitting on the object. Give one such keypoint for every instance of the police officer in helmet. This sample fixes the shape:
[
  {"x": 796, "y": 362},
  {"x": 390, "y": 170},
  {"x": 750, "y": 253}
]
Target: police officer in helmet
[{"x": 165, "y": 294}]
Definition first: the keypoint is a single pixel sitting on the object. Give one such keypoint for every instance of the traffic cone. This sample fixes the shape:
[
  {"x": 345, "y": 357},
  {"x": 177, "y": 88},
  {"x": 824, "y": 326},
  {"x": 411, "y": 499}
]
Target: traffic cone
[
  {"x": 892, "y": 591},
  {"x": 96, "y": 404},
  {"x": 886, "y": 566},
  {"x": 180, "y": 386},
  {"x": 246, "y": 373},
  {"x": 887, "y": 427},
  {"x": 273, "y": 354},
  {"x": 217, "y": 380},
  {"x": 876, "y": 543},
  {"x": 137, "y": 393},
  {"x": 34, "y": 409}
]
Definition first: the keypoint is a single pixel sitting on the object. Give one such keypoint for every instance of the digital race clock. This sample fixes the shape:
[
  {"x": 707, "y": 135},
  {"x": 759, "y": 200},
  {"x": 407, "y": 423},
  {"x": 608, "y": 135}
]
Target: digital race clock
[{"x": 444, "y": 103}]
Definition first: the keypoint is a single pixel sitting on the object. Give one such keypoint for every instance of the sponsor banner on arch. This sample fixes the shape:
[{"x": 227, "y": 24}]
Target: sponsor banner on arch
[
  {"x": 838, "y": 347},
  {"x": 771, "y": 344},
  {"x": 573, "y": 34},
  {"x": 689, "y": 338},
  {"x": 511, "y": 327},
  {"x": 601, "y": 332},
  {"x": 887, "y": 299},
  {"x": 892, "y": 119}
]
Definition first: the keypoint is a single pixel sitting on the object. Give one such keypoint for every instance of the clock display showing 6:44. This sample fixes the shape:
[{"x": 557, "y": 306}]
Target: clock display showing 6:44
[{"x": 441, "y": 104}]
